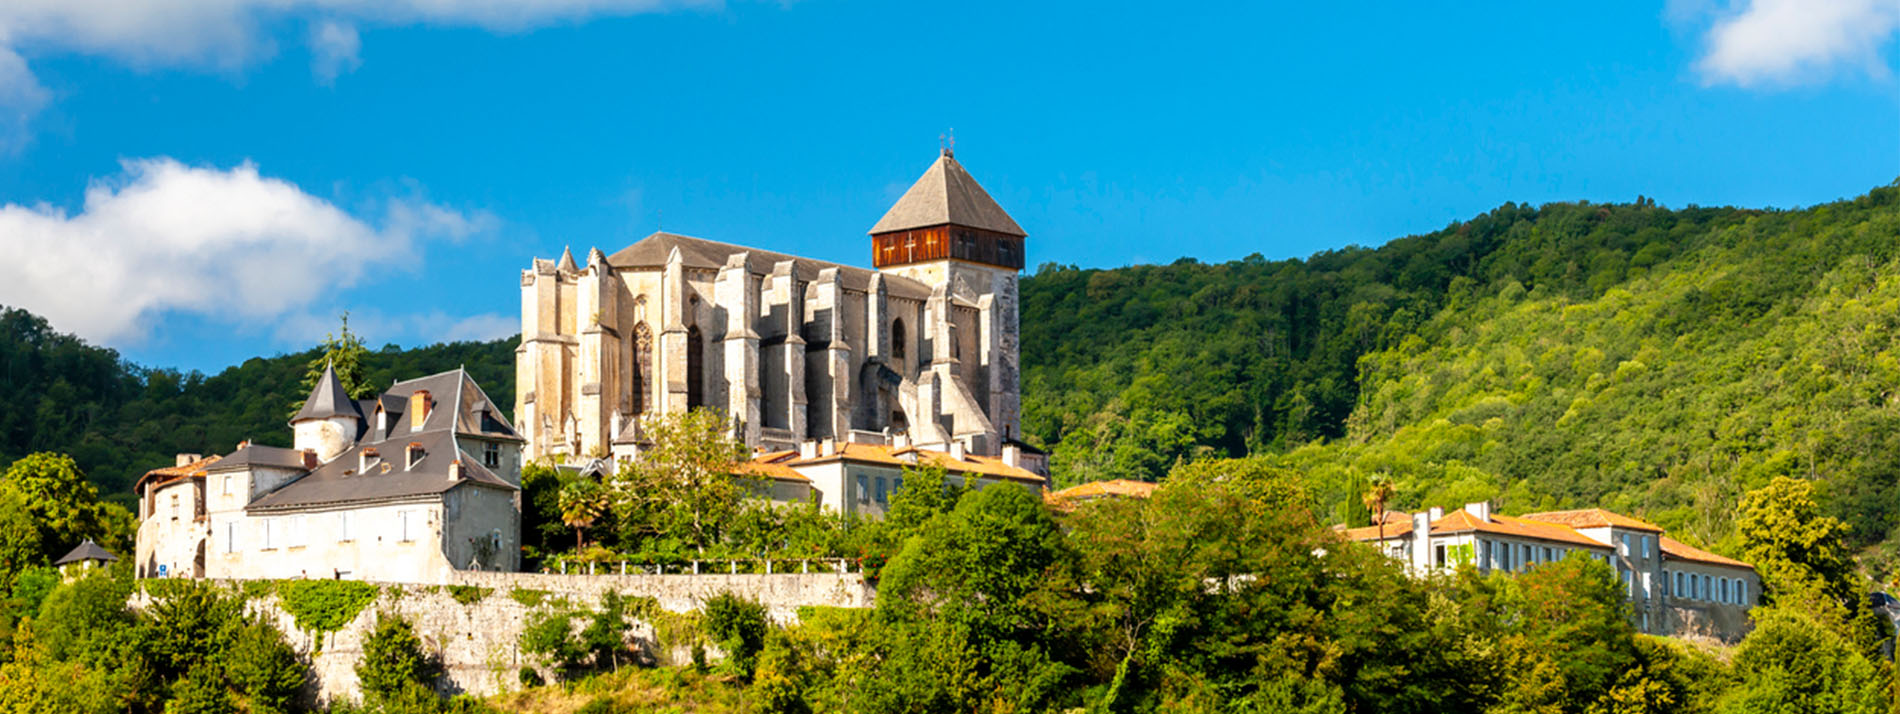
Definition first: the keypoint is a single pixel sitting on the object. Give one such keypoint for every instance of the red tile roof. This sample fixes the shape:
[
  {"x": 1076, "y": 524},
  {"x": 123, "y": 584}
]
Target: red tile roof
[
  {"x": 173, "y": 473},
  {"x": 1594, "y": 518},
  {"x": 1097, "y": 489},
  {"x": 1683, "y": 551},
  {"x": 981, "y": 466},
  {"x": 1461, "y": 521}
]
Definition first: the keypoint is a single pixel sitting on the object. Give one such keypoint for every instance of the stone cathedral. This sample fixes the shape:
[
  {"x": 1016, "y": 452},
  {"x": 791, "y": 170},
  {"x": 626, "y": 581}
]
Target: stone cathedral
[{"x": 920, "y": 351}]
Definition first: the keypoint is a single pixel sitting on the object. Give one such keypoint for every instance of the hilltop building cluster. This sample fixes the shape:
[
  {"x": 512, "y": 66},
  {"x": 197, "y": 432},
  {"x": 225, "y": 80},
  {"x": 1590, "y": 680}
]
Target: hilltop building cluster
[
  {"x": 1673, "y": 587},
  {"x": 402, "y": 487},
  {"x": 837, "y": 377}
]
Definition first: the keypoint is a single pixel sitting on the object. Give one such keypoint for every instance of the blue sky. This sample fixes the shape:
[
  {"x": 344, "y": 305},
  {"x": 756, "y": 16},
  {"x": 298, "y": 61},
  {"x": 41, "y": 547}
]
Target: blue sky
[{"x": 217, "y": 179}]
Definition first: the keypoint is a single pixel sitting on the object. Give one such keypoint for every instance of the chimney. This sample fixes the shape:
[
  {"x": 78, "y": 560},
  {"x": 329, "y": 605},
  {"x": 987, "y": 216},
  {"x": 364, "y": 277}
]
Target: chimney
[
  {"x": 900, "y": 440},
  {"x": 1422, "y": 539},
  {"x": 309, "y": 460},
  {"x": 1013, "y": 455},
  {"x": 828, "y": 447},
  {"x": 183, "y": 459},
  {"x": 1437, "y": 512},
  {"x": 808, "y": 449},
  {"x": 419, "y": 404},
  {"x": 1480, "y": 510},
  {"x": 956, "y": 450},
  {"x": 455, "y": 471}
]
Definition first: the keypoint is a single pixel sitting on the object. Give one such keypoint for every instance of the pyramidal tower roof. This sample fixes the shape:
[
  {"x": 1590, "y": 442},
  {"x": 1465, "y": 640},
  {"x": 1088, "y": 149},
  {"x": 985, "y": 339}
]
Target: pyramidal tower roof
[
  {"x": 947, "y": 194},
  {"x": 327, "y": 399}
]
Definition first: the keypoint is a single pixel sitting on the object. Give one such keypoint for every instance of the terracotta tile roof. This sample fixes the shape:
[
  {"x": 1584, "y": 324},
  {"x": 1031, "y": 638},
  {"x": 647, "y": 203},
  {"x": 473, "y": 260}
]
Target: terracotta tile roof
[
  {"x": 1393, "y": 529},
  {"x": 1682, "y": 551},
  {"x": 1461, "y": 521},
  {"x": 987, "y": 466},
  {"x": 1115, "y": 487},
  {"x": 172, "y": 473},
  {"x": 1594, "y": 518},
  {"x": 772, "y": 465}
]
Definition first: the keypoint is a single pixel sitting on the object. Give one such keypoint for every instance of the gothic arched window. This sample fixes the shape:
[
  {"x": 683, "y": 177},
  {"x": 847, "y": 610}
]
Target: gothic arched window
[
  {"x": 642, "y": 368},
  {"x": 897, "y": 343},
  {"x": 695, "y": 368}
]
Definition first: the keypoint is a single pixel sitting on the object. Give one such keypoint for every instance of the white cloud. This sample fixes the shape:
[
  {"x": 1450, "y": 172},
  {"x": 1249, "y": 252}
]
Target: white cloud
[
  {"x": 333, "y": 50},
  {"x": 230, "y": 245},
  {"x": 229, "y": 34},
  {"x": 1785, "y": 42}
]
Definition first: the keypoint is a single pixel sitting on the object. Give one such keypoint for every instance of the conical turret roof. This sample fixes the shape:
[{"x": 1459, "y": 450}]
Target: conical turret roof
[
  {"x": 87, "y": 551},
  {"x": 947, "y": 194},
  {"x": 327, "y": 399}
]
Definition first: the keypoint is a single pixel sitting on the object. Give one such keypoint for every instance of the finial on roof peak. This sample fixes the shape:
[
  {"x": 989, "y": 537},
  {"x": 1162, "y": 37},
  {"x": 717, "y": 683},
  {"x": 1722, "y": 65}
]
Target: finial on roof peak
[
  {"x": 567, "y": 260},
  {"x": 947, "y": 143}
]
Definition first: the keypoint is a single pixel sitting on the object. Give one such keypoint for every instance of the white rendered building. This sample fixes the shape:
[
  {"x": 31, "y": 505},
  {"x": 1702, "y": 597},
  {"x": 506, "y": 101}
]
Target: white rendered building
[
  {"x": 1673, "y": 588},
  {"x": 404, "y": 487}
]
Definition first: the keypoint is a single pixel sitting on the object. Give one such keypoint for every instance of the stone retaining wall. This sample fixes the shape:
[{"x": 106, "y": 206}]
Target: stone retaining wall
[{"x": 477, "y": 641}]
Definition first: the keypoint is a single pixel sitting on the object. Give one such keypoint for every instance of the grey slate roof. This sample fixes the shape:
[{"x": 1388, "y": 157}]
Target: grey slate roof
[
  {"x": 87, "y": 551},
  {"x": 947, "y": 194},
  {"x": 251, "y": 456},
  {"x": 327, "y": 399},
  {"x": 389, "y": 476},
  {"x": 651, "y": 253},
  {"x": 460, "y": 407}
]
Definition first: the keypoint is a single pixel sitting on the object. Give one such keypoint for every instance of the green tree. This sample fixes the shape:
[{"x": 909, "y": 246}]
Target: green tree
[
  {"x": 1792, "y": 663},
  {"x": 1802, "y": 555},
  {"x": 582, "y": 502},
  {"x": 679, "y": 495},
  {"x": 964, "y": 602},
  {"x": 63, "y": 504},
  {"x": 344, "y": 352}
]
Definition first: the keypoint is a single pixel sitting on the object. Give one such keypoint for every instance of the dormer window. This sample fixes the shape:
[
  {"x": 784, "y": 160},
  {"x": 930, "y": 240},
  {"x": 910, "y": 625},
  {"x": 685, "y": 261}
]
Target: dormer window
[
  {"x": 415, "y": 455},
  {"x": 366, "y": 459}
]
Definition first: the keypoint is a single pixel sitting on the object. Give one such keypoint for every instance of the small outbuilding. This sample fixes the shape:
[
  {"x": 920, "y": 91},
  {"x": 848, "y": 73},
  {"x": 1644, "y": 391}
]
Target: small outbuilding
[{"x": 83, "y": 559}]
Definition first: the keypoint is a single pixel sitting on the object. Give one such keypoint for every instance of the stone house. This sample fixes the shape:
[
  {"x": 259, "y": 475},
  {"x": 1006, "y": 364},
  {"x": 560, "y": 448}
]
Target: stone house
[
  {"x": 408, "y": 486},
  {"x": 790, "y": 349},
  {"x": 862, "y": 478},
  {"x": 1672, "y": 588}
]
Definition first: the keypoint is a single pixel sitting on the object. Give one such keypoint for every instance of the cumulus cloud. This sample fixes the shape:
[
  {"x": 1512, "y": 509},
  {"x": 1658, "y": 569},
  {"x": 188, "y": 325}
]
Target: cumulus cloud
[
  {"x": 227, "y": 244},
  {"x": 1785, "y": 42},
  {"x": 229, "y": 34}
]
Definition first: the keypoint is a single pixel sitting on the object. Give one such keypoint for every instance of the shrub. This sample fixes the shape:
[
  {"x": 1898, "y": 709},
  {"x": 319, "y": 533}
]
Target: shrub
[
  {"x": 530, "y": 678},
  {"x": 392, "y": 660},
  {"x": 739, "y": 626},
  {"x": 528, "y": 597},
  {"x": 468, "y": 594}
]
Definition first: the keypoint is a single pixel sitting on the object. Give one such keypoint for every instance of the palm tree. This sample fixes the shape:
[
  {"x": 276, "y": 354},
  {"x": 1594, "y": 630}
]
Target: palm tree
[
  {"x": 1378, "y": 491},
  {"x": 582, "y": 502}
]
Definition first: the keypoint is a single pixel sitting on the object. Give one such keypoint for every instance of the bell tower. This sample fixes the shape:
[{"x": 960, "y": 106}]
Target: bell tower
[
  {"x": 947, "y": 216},
  {"x": 947, "y": 233}
]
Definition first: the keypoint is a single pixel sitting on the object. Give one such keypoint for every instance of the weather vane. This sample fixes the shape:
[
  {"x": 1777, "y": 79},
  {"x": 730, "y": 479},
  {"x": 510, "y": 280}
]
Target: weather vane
[{"x": 947, "y": 142}]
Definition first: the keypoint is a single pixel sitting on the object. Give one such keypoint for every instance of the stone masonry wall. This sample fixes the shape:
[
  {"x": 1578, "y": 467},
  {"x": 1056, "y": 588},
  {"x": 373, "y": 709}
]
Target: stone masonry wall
[{"x": 477, "y": 641}]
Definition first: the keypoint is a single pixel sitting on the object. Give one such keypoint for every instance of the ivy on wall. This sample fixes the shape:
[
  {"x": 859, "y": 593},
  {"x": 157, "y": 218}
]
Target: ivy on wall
[{"x": 325, "y": 606}]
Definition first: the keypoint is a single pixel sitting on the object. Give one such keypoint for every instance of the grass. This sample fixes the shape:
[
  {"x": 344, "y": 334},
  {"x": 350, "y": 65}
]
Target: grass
[{"x": 667, "y": 689}]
